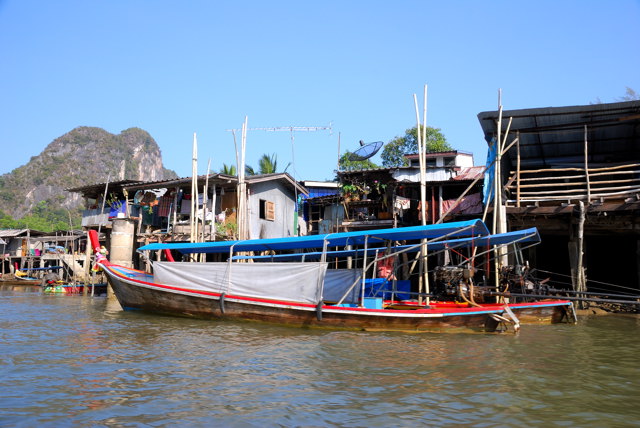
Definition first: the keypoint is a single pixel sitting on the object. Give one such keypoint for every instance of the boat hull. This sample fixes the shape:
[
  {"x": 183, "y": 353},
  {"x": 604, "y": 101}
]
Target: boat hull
[
  {"x": 135, "y": 290},
  {"x": 69, "y": 289}
]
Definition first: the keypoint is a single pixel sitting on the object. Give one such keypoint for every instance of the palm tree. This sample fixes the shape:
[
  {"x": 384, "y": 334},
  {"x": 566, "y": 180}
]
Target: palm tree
[
  {"x": 269, "y": 164},
  {"x": 228, "y": 169}
]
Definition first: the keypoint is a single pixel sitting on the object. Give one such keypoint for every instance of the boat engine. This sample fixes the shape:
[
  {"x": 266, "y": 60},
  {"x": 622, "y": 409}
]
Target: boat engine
[
  {"x": 453, "y": 281},
  {"x": 518, "y": 279}
]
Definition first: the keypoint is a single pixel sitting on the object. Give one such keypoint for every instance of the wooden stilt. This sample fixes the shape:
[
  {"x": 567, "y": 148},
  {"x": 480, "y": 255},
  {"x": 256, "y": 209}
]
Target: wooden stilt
[
  {"x": 586, "y": 165},
  {"x": 576, "y": 252}
]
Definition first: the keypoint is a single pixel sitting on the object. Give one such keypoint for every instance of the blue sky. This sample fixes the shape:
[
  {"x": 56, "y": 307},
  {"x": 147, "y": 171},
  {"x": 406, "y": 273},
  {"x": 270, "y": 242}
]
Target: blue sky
[{"x": 175, "y": 68}]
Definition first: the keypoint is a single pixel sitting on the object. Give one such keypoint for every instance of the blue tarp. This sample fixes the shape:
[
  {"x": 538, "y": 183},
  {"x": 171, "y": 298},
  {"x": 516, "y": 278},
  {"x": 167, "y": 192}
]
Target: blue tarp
[
  {"x": 381, "y": 287},
  {"x": 489, "y": 172},
  {"x": 321, "y": 191},
  {"x": 457, "y": 229}
]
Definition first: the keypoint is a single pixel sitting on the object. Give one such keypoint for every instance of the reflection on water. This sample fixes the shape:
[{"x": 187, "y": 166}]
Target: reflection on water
[{"x": 73, "y": 360}]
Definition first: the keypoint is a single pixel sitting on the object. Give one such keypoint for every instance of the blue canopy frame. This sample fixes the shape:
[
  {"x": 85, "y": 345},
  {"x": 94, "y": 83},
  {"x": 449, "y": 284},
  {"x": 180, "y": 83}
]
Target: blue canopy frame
[{"x": 460, "y": 229}]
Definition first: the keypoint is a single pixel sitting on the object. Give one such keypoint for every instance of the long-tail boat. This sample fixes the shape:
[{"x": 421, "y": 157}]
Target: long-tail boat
[{"x": 297, "y": 282}]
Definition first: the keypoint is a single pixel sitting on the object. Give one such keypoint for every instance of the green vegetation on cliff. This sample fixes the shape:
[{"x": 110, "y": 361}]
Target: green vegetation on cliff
[
  {"x": 44, "y": 218},
  {"x": 34, "y": 196}
]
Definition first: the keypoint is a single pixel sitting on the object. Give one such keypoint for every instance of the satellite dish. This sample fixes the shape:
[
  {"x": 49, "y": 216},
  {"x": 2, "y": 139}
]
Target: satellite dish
[{"x": 365, "y": 151}]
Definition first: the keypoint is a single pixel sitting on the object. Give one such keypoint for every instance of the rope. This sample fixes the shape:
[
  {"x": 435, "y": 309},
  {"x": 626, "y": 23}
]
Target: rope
[
  {"x": 466, "y": 259},
  {"x": 589, "y": 280}
]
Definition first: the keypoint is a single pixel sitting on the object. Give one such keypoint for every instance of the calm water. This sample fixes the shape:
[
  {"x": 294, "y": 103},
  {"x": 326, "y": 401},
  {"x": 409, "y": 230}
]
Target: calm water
[{"x": 78, "y": 361}]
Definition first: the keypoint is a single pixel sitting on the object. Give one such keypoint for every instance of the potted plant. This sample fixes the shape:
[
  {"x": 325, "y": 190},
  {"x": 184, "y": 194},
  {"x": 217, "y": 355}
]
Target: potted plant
[{"x": 350, "y": 192}]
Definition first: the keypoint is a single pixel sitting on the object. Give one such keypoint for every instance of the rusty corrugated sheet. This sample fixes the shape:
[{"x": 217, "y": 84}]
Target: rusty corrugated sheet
[{"x": 469, "y": 173}]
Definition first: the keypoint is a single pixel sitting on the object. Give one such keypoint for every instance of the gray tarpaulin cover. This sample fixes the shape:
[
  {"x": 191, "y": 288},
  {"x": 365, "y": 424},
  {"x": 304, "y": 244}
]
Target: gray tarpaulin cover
[
  {"x": 338, "y": 281},
  {"x": 295, "y": 282}
]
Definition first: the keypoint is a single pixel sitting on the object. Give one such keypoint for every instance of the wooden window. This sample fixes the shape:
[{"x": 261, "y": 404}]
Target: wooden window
[{"x": 267, "y": 210}]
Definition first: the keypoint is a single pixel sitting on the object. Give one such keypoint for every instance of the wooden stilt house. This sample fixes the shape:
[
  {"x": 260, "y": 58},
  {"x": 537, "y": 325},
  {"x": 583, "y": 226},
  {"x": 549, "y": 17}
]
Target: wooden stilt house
[{"x": 574, "y": 173}]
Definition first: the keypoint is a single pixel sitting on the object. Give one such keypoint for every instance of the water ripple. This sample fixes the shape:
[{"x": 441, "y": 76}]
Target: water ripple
[{"x": 77, "y": 361}]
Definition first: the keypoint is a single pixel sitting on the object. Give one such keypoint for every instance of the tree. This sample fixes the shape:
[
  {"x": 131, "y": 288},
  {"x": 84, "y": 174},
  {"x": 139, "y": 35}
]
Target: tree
[
  {"x": 7, "y": 222},
  {"x": 228, "y": 169},
  {"x": 345, "y": 164},
  {"x": 395, "y": 150},
  {"x": 630, "y": 95},
  {"x": 266, "y": 165}
]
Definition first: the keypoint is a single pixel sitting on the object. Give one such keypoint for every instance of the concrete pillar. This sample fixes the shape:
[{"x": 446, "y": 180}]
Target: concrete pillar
[
  {"x": 121, "y": 245},
  {"x": 122, "y": 236}
]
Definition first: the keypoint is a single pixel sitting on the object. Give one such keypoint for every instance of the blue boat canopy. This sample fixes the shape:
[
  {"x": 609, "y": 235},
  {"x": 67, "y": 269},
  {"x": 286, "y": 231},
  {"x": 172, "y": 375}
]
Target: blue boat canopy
[
  {"x": 458, "y": 229},
  {"x": 526, "y": 236}
]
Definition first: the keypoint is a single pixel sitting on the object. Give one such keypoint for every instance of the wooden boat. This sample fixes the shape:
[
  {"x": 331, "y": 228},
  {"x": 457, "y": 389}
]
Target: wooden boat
[
  {"x": 73, "y": 289},
  {"x": 307, "y": 293},
  {"x": 26, "y": 276},
  {"x": 61, "y": 288}
]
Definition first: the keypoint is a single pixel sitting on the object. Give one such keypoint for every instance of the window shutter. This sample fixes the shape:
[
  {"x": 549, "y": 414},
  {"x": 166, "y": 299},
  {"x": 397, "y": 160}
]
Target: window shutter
[{"x": 270, "y": 211}]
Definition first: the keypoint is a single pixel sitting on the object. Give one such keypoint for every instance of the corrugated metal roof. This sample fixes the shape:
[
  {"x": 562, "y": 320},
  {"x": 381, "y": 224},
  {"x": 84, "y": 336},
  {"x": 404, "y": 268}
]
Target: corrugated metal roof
[
  {"x": 469, "y": 173},
  {"x": 99, "y": 187},
  {"x": 131, "y": 185},
  {"x": 277, "y": 176},
  {"x": 177, "y": 182},
  {"x": 12, "y": 233},
  {"x": 355, "y": 171},
  {"x": 430, "y": 155},
  {"x": 554, "y": 136}
]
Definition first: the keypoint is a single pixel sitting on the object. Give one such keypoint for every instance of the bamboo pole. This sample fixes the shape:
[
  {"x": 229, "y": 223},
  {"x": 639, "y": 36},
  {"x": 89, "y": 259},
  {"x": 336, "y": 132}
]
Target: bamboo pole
[
  {"x": 212, "y": 233},
  {"x": 175, "y": 213},
  {"x": 241, "y": 211},
  {"x": 569, "y": 184},
  {"x": 497, "y": 193},
  {"x": 466, "y": 191},
  {"x": 457, "y": 202},
  {"x": 580, "y": 197},
  {"x": 591, "y": 170},
  {"x": 424, "y": 167},
  {"x": 422, "y": 160},
  {"x": 104, "y": 202},
  {"x": 194, "y": 191},
  {"x": 422, "y": 191},
  {"x": 518, "y": 172},
  {"x": 572, "y": 191},
  {"x": 440, "y": 200},
  {"x": 573, "y": 177},
  {"x": 582, "y": 278},
  {"x": 421, "y": 134},
  {"x": 205, "y": 200},
  {"x": 586, "y": 164},
  {"x": 364, "y": 269}
]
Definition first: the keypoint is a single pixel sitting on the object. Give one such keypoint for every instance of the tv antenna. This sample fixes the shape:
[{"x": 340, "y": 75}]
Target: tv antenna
[{"x": 291, "y": 130}]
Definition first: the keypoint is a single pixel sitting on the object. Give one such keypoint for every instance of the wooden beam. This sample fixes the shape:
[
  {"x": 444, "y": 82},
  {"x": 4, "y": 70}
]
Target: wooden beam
[
  {"x": 607, "y": 168},
  {"x": 558, "y": 209},
  {"x": 572, "y": 184}
]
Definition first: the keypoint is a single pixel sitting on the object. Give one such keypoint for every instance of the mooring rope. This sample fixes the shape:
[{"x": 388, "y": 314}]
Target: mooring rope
[{"x": 588, "y": 280}]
